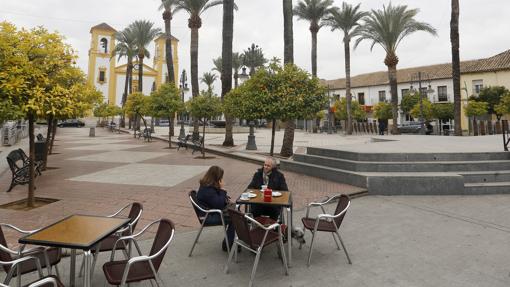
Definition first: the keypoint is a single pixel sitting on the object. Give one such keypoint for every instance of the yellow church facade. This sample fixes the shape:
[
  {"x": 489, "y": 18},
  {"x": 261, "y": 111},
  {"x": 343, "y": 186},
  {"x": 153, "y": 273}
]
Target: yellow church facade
[{"x": 110, "y": 78}]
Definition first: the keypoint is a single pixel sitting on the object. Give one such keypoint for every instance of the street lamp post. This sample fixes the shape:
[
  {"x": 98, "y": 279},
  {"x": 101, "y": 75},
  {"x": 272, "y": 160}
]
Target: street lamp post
[
  {"x": 329, "y": 113},
  {"x": 184, "y": 87},
  {"x": 419, "y": 77}
]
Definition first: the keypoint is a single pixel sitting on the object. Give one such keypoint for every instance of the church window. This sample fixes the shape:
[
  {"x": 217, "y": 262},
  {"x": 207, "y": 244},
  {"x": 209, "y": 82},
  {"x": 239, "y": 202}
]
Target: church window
[
  {"x": 104, "y": 45},
  {"x": 102, "y": 75}
]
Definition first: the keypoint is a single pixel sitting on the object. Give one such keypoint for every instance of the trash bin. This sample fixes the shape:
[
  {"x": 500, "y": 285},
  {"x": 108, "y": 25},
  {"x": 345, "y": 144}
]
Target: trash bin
[
  {"x": 92, "y": 132},
  {"x": 39, "y": 150},
  {"x": 446, "y": 130}
]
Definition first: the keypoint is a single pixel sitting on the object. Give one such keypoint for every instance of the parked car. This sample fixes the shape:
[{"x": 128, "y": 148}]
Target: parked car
[
  {"x": 414, "y": 128},
  {"x": 75, "y": 123}
]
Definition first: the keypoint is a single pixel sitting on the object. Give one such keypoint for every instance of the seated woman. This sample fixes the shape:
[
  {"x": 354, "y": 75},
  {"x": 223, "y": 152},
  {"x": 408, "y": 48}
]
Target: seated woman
[{"x": 212, "y": 195}]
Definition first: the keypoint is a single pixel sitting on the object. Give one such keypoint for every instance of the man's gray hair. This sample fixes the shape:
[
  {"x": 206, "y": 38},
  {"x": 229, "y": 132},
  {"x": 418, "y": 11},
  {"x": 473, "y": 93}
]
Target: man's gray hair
[{"x": 273, "y": 161}]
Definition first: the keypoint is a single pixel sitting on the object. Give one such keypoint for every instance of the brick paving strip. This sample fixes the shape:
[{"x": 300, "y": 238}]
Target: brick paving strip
[{"x": 99, "y": 175}]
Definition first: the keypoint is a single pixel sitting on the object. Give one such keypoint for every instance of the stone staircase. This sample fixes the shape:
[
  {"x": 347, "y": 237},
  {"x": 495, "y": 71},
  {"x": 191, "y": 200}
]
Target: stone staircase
[{"x": 408, "y": 173}]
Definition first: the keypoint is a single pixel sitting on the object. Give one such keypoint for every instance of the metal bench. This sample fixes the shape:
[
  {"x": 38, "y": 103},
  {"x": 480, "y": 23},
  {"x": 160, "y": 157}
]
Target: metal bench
[
  {"x": 197, "y": 143},
  {"x": 146, "y": 134},
  {"x": 19, "y": 164},
  {"x": 183, "y": 142}
]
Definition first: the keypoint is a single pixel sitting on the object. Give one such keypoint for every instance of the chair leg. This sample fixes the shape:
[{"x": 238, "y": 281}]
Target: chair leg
[
  {"x": 8, "y": 277},
  {"x": 284, "y": 257},
  {"x": 310, "y": 252},
  {"x": 196, "y": 240},
  {"x": 226, "y": 236},
  {"x": 18, "y": 271},
  {"x": 80, "y": 274},
  {"x": 336, "y": 241},
  {"x": 231, "y": 254},
  {"x": 57, "y": 272},
  {"x": 255, "y": 265},
  {"x": 343, "y": 246}
]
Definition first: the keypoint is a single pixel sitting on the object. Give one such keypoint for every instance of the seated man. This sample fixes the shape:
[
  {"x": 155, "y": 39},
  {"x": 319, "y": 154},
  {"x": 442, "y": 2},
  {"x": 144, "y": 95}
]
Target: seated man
[{"x": 274, "y": 179}]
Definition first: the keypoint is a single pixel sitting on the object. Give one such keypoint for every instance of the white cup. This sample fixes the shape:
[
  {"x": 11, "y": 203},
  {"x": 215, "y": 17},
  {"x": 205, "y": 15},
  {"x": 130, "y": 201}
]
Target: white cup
[
  {"x": 263, "y": 187},
  {"x": 244, "y": 196}
]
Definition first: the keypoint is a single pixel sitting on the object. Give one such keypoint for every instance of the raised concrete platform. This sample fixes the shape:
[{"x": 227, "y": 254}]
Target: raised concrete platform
[{"x": 406, "y": 165}]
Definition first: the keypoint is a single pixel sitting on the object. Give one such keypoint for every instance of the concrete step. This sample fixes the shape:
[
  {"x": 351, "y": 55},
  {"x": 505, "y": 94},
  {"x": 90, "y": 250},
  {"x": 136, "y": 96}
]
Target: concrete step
[
  {"x": 324, "y": 172},
  {"x": 403, "y": 156},
  {"x": 405, "y": 166},
  {"x": 486, "y": 176},
  {"x": 487, "y": 188}
]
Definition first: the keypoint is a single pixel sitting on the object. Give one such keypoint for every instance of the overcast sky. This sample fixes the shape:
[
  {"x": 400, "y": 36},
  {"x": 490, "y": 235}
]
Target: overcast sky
[{"x": 484, "y": 28}]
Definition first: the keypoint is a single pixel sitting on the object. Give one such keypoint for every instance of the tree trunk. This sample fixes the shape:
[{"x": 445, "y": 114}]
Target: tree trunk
[
  {"x": 171, "y": 124},
  {"x": 392, "y": 74},
  {"x": 203, "y": 138},
  {"x": 288, "y": 139},
  {"x": 314, "y": 53},
  {"x": 454, "y": 38},
  {"x": 130, "y": 72},
  {"x": 170, "y": 128},
  {"x": 167, "y": 16},
  {"x": 31, "y": 168},
  {"x": 273, "y": 129},
  {"x": 49, "y": 120},
  {"x": 53, "y": 134},
  {"x": 288, "y": 36},
  {"x": 226, "y": 63},
  {"x": 194, "y": 72},
  {"x": 140, "y": 72},
  {"x": 236, "y": 79},
  {"x": 348, "y": 96}
]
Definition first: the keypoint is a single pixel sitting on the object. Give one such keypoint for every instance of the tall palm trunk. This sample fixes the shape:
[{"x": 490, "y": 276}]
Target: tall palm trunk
[
  {"x": 391, "y": 62},
  {"x": 31, "y": 170},
  {"x": 454, "y": 38},
  {"x": 126, "y": 90},
  {"x": 226, "y": 56},
  {"x": 194, "y": 72},
  {"x": 314, "y": 29},
  {"x": 130, "y": 73},
  {"x": 288, "y": 57},
  {"x": 140, "y": 72},
  {"x": 348, "y": 96},
  {"x": 167, "y": 16}
]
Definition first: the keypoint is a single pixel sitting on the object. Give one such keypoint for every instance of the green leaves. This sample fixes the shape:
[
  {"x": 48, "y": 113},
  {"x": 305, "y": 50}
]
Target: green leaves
[
  {"x": 341, "y": 110},
  {"x": 205, "y": 106},
  {"x": 382, "y": 111},
  {"x": 474, "y": 109},
  {"x": 166, "y": 101}
]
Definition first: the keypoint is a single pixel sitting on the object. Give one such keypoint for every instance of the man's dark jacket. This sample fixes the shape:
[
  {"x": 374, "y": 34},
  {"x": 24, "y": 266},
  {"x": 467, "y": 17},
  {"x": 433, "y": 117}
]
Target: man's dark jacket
[{"x": 276, "y": 180}]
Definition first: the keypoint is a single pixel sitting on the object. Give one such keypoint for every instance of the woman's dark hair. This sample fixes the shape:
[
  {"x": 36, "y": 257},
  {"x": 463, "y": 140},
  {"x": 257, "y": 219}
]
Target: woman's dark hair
[{"x": 212, "y": 177}]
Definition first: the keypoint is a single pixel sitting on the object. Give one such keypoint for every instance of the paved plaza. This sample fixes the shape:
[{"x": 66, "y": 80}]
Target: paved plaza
[{"x": 392, "y": 241}]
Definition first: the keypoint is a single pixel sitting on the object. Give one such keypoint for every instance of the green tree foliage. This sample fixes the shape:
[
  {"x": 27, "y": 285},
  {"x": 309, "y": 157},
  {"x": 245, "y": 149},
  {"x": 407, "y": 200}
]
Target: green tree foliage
[
  {"x": 205, "y": 107},
  {"x": 341, "y": 110},
  {"x": 443, "y": 111},
  {"x": 138, "y": 105},
  {"x": 427, "y": 110},
  {"x": 382, "y": 111},
  {"x": 475, "y": 109},
  {"x": 492, "y": 96},
  {"x": 503, "y": 108},
  {"x": 409, "y": 101},
  {"x": 165, "y": 102}
]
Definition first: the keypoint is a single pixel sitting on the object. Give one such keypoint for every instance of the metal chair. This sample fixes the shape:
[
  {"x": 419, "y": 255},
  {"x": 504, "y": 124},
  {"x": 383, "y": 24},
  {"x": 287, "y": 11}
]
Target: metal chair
[
  {"x": 143, "y": 267},
  {"x": 254, "y": 239},
  {"x": 22, "y": 261},
  {"x": 48, "y": 281},
  {"x": 202, "y": 215},
  {"x": 107, "y": 244},
  {"x": 326, "y": 222}
]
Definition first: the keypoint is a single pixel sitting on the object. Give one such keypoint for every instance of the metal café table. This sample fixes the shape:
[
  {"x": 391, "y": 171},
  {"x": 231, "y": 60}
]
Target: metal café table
[
  {"x": 83, "y": 232},
  {"x": 285, "y": 201}
]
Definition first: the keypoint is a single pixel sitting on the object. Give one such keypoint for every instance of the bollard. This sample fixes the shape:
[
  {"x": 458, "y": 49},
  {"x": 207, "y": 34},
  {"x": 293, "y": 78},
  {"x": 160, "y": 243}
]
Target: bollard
[{"x": 92, "y": 132}]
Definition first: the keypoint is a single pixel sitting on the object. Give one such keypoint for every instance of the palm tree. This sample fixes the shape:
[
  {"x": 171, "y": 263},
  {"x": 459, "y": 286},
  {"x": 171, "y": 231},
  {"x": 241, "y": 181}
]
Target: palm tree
[
  {"x": 253, "y": 57},
  {"x": 347, "y": 19},
  {"x": 218, "y": 65},
  {"x": 208, "y": 79},
  {"x": 388, "y": 27},
  {"x": 314, "y": 11},
  {"x": 454, "y": 38},
  {"x": 144, "y": 34},
  {"x": 288, "y": 58},
  {"x": 125, "y": 47},
  {"x": 236, "y": 65},
  {"x": 226, "y": 63},
  {"x": 168, "y": 5}
]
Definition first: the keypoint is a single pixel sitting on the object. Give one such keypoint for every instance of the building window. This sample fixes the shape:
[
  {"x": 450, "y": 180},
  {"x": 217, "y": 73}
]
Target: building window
[
  {"x": 382, "y": 96},
  {"x": 405, "y": 92},
  {"x": 477, "y": 86},
  {"x": 104, "y": 45},
  {"x": 361, "y": 98},
  {"x": 336, "y": 97},
  {"x": 423, "y": 91},
  {"x": 442, "y": 96},
  {"x": 102, "y": 76}
]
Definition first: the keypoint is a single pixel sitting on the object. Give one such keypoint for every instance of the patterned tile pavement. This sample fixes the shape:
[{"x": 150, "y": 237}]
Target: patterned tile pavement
[{"x": 175, "y": 172}]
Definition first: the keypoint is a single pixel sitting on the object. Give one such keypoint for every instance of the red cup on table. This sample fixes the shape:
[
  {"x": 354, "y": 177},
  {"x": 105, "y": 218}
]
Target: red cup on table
[{"x": 268, "y": 195}]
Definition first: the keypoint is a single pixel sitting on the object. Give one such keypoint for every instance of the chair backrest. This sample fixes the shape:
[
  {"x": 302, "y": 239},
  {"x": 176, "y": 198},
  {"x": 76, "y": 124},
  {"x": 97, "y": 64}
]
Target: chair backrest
[
  {"x": 196, "y": 205},
  {"x": 343, "y": 203},
  {"x": 4, "y": 256},
  {"x": 241, "y": 226},
  {"x": 134, "y": 216},
  {"x": 13, "y": 157},
  {"x": 48, "y": 281},
  {"x": 162, "y": 239}
]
